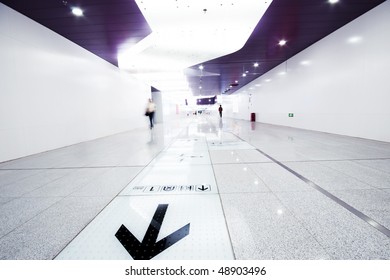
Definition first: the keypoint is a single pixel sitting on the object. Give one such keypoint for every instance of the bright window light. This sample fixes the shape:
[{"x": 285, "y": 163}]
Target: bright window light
[
  {"x": 200, "y": 36},
  {"x": 77, "y": 11}
]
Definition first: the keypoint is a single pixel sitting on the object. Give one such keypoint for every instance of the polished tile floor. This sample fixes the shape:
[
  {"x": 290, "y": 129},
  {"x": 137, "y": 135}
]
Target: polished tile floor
[{"x": 200, "y": 188}]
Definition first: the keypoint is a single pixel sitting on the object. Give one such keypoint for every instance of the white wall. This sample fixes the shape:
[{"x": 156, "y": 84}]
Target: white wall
[
  {"x": 344, "y": 88},
  {"x": 54, "y": 93},
  {"x": 158, "y": 100}
]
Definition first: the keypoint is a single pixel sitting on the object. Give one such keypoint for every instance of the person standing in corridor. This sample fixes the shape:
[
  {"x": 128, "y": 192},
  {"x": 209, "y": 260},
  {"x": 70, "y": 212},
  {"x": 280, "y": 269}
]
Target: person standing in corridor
[{"x": 220, "y": 109}]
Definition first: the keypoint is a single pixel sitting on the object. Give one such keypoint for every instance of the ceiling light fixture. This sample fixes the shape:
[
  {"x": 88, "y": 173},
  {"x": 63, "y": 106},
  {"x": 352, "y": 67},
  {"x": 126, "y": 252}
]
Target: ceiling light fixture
[
  {"x": 282, "y": 42},
  {"x": 256, "y": 64},
  {"x": 333, "y": 1},
  {"x": 77, "y": 11},
  {"x": 355, "y": 39}
]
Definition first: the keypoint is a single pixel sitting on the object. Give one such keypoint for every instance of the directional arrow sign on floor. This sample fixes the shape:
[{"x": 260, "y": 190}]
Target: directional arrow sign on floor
[
  {"x": 203, "y": 188},
  {"x": 149, "y": 248}
]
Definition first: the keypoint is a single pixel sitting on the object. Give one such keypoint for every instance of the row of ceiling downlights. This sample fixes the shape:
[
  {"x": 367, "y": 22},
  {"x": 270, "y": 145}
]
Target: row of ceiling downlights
[
  {"x": 244, "y": 74},
  {"x": 256, "y": 64}
]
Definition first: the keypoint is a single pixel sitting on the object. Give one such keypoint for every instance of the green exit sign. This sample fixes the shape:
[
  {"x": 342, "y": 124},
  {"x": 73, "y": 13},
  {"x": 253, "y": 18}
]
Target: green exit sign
[{"x": 290, "y": 115}]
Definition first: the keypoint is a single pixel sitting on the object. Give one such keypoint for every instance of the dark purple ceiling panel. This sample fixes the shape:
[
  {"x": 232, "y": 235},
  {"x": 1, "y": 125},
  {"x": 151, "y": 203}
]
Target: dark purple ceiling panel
[
  {"x": 300, "y": 22},
  {"x": 107, "y": 24}
]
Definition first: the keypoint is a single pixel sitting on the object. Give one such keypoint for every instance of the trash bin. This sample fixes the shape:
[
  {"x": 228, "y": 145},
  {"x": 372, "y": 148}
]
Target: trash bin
[{"x": 253, "y": 117}]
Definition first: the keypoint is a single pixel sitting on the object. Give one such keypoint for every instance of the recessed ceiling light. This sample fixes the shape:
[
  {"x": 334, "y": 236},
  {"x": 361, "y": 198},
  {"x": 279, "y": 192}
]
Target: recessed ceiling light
[
  {"x": 354, "y": 39},
  {"x": 256, "y": 64},
  {"x": 282, "y": 42},
  {"x": 244, "y": 74},
  {"x": 201, "y": 67},
  {"x": 333, "y": 1},
  {"x": 77, "y": 11}
]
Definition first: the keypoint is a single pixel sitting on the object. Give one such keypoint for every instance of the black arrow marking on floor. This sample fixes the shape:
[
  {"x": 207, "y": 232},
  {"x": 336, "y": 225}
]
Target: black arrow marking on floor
[
  {"x": 149, "y": 248},
  {"x": 203, "y": 188}
]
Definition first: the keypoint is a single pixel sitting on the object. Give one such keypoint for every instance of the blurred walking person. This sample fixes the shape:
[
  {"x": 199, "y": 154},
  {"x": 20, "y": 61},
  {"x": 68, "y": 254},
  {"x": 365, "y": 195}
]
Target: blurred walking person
[{"x": 150, "y": 109}]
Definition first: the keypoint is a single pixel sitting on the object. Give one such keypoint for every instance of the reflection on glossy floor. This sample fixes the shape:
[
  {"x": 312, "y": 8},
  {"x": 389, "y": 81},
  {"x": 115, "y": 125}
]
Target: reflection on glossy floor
[{"x": 200, "y": 188}]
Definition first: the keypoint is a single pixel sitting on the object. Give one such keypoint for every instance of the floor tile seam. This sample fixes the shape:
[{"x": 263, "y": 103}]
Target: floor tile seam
[
  {"x": 373, "y": 168},
  {"x": 350, "y": 176},
  {"x": 114, "y": 197},
  {"x": 334, "y": 160},
  {"x": 32, "y": 217},
  {"x": 222, "y": 206},
  {"x": 28, "y": 176},
  {"x": 63, "y": 197},
  {"x": 13, "y": 198},
  {"x": 84, "y": 185},
  {"x": 178, "y": 164},
  {"x": 246, "y": 162},
  {"x": 170, "y": 194},
  {"x": 50, "y": 182},
  {"x": 68, "y": 174},
  {"x": 72, "y": 167},
  {"x": 272, "y": 189},
  {"x": 107, "y": 205},
  {"x": 261, "y": 179},
  {"x": 340, "y": 202},
  {"x": 303, "y": 224},
  {"x": 87, "y": 224},
  {"x": 143, "y": 167},
  {"x": 265, "y": 192}
]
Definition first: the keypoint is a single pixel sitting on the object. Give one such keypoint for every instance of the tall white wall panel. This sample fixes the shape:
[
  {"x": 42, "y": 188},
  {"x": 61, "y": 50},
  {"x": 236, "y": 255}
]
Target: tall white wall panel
[
  {"x": 339, "y": 85},
  {"x": 53, "y": 93}
]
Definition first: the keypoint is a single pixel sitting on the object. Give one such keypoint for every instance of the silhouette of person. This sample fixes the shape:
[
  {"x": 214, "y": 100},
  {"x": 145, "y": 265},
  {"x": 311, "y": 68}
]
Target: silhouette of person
[
  {"x": 220, "y": 109},
  {"x": 150, "y": 109}
]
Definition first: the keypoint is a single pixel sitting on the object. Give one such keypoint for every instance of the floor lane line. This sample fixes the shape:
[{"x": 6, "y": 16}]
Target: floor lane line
[{"x": 342, "y": 203}]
